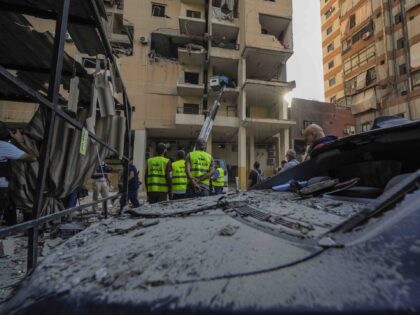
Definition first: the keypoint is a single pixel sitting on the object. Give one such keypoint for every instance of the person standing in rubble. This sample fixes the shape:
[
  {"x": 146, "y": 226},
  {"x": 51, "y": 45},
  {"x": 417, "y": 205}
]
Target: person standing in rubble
[
  {"x": 218, "y": 178},
  {"x": 101, "y": 182},
  {"x": 157, "y": 176},
  {"x": 199, "y": 171},
  {"x": 133, "y": 184},
  {"x": 18, "y": 150},
  {"x": 179, "y": 176}
]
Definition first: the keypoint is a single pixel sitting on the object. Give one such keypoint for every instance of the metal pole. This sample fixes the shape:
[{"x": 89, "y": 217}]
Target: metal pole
[
  {"x": 53, "y": 95},
  {"x": 127, "y": 152}
]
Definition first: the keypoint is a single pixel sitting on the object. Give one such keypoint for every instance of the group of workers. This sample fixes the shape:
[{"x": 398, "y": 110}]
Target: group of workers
[{"x": 193, "y": 175}]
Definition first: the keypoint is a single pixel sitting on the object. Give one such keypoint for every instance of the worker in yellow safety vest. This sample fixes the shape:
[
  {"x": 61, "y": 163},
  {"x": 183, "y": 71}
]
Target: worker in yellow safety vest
[
  {"x": 157, "y": 176},
  {"x": 179, "y": 176},
  {"x": 199, "y": 170},
  {"x": 218, "y": 178}
]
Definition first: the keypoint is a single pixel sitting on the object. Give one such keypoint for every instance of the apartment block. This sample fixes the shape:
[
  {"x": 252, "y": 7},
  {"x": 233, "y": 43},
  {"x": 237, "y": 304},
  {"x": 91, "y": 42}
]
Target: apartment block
[
  {"x": 372, "y": 57},
  {"x": 179, "y": 45}
]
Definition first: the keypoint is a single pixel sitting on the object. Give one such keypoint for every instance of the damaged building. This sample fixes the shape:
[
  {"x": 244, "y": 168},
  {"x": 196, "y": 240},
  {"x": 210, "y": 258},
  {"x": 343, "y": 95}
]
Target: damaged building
[
  {"x": 179, "y": 46},
  {"x": 371, "y": 62},
  {"x": 60, "y": 82}
]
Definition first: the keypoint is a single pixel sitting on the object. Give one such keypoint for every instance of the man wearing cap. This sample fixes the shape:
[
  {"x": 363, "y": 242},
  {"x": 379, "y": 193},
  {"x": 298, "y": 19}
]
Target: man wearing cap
[
  {"x": 157, "y": 176},
  {"x": 179, "y": 176},
  {"x": 199, "y": 170}
]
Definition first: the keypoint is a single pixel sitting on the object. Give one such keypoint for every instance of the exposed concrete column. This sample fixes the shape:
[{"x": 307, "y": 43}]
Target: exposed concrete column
[
  {"x": 210, "y": 144},
  {"x": 139, "y": 152},
  {"x": 242, "y": 158},
  {"x": 284, "y": 144},
  {"x": 251, "y": 150}
]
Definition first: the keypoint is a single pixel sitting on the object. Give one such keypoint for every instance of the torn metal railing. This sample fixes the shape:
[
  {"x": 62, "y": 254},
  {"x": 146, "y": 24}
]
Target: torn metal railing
[{"x": 27, "y": 225}]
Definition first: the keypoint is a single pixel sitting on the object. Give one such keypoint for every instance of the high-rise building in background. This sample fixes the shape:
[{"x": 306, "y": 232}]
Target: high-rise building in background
[
  {"x": 371, "y": 59},
  {"x": 179, "y": 46}
]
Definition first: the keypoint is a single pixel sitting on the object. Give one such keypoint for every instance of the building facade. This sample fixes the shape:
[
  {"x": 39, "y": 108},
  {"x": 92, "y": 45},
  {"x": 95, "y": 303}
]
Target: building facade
[
  {"x": 372, "y": 57},
  {"x": 334, "y": 120},
  {"x": 179, "y": 45}
]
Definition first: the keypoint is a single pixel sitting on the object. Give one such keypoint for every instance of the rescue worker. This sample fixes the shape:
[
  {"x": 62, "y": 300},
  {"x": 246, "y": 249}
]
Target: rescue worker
[
  {"x": 157, "y": 176},
  {"x": 179, "y": 176},
  {"x": 199, "y": 170},
  {"x": 218, "y": 178}
]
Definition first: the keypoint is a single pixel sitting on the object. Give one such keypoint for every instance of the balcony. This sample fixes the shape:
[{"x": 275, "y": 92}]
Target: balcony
[
  {"x": 273, "y": 40},
  {"x": 189, "y": 89},
  {"x": 192, "y": 56},
  {"x": 226, "y": 117},
  {"x": 265, "y": 102},
  {"x": 226, "y": 67},
  {"x": 192, "y": 26}
]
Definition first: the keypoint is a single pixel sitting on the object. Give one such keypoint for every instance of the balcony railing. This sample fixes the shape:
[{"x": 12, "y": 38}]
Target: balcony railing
[
  {"x": 225, "y": 45},
  {"x": 228, "y": 111}
]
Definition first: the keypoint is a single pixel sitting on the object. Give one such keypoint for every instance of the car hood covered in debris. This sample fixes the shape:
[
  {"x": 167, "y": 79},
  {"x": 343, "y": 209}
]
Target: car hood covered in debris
[
  {"x": 256, "y": 252},
  {"x": 355, "y": 251}
]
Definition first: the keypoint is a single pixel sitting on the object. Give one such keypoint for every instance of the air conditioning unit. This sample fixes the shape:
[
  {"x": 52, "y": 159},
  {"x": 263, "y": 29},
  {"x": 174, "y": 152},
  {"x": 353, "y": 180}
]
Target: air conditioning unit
[{"x": 144, "y": 40}]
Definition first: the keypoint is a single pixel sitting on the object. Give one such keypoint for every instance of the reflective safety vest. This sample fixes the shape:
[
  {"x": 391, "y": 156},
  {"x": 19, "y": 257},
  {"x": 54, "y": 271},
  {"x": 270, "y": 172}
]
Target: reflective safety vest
[
  {"x": 156, "y": 174},
  {"x": 179, "y": 177},
  {"x": 219, "y": 181},
  {"x": 200, "y": 165}
]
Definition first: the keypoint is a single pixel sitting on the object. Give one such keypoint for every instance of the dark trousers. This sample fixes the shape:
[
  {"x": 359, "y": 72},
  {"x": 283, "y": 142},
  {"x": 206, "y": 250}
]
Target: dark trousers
[
  {"x": 178, "y": 196},
  {"x": 132, "y": 196},
  {"x": 155, "y": 197},
  {"x": 7, "y": 207},
  {"x": 191, "y": 192},
  {"x": 218, "y": 190}
]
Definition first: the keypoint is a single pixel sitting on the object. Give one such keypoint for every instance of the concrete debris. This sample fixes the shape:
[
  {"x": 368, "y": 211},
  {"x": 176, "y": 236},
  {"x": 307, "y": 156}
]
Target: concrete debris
[{"x": 228, "y": 230}]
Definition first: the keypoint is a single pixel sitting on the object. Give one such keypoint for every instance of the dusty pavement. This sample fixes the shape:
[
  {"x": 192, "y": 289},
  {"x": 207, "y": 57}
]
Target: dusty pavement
[{"x": 13, "y": 250}]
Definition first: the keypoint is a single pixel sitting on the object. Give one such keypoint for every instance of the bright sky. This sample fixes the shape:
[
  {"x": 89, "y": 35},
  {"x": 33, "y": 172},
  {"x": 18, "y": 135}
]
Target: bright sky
[{"x": 305, "y": 66}]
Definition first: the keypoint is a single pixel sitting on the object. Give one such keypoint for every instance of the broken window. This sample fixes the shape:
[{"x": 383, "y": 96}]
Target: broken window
[
  {"x": 398, "y": 18},
  {"x": 370, "y": 76},
  {"x": 350, "y": 86},
  {"x": 331, "y": 82},
  {"x": 191, "y": 77},
  {"x": 158, "y": 10},
  {"x": 400, "y": 43},
  {"x": 280, "y": 28},
  {"x": 331, "y": 64},
  {"x": 403, "y": 69},
  {"x": 352, "y": 21},
  {"x": 194, "y": 14},
  {"x": 191, "y": 109}
]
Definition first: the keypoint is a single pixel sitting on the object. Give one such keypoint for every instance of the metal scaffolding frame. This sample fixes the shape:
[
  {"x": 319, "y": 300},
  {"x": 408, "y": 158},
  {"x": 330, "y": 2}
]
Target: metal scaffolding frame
[{"x": 52, "y": 110}]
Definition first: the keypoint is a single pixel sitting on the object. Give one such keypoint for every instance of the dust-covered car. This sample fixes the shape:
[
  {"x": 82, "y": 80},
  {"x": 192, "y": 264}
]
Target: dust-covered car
[{"x": 351, "y": 250}]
